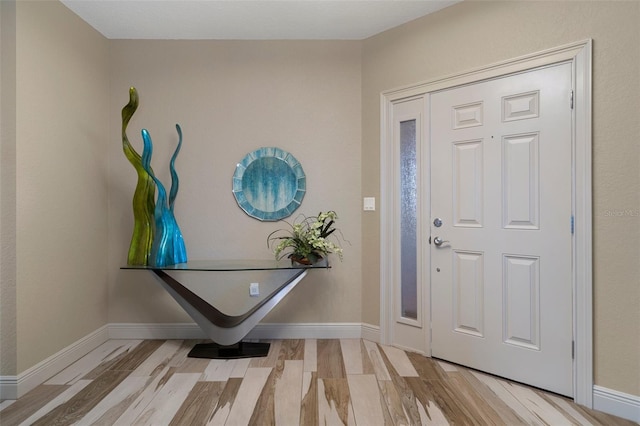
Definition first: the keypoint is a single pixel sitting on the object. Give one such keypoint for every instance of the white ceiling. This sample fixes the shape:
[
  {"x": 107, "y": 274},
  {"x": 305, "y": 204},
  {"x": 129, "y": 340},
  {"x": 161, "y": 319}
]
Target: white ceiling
[{"x": 249, "y": 19}]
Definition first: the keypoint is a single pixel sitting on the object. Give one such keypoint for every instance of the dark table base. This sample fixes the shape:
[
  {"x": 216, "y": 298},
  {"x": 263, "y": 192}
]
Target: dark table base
[{"x": 239, "y": 350}]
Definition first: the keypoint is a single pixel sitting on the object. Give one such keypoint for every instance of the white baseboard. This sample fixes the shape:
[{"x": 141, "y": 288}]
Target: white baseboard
[
  {"x": 371, "y": 332},
  {"x": 261, "y": 331},
  {"x": 188, "y": 330},
  {"x": 617, "y": 403},
  {"x": 8, "y": 387},
  {"x": 13, "y": 387}
]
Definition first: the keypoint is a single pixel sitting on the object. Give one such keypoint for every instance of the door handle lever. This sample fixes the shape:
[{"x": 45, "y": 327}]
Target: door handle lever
[{"x": 439, "y": 241}]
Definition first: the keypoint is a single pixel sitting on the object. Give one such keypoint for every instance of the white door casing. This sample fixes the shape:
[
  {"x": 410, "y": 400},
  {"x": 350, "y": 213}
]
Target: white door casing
[
  {"x": 501, "y": 291},
  {"x": 579, "y": 55}
]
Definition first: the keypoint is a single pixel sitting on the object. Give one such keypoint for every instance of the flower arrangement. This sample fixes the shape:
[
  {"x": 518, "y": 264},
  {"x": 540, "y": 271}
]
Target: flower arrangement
[{"x": 306, "y": 240}]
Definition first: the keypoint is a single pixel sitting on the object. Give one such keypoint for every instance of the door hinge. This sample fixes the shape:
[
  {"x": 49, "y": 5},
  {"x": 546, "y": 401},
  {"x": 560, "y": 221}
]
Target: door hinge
[
  {"x": 572, "y": 225},
  {"x": 573, "y": 349},
  {"x": 571, "y": 99}
]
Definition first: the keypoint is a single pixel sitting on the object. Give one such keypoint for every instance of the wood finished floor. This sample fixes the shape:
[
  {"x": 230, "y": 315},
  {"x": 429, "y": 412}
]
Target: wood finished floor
[{"x": 300, "y": 382}]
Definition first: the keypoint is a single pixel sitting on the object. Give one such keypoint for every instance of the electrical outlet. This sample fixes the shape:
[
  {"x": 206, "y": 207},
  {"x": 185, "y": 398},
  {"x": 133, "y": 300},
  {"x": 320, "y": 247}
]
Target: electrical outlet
[
  {"x": 254, "y": 289},
  {"x": 369, "y": 204}
]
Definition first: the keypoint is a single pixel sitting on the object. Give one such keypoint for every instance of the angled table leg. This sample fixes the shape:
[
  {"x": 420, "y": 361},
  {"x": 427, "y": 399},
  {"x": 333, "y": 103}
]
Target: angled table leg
[{"x": 226, "y": 331}]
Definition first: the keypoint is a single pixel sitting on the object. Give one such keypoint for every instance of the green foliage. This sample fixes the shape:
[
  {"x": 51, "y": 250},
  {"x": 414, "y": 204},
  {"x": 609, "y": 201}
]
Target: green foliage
[{"x": 307, "y": 239}]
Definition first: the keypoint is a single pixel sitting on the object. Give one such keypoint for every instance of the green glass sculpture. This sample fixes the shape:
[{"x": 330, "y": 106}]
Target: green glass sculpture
[{"x": 144, "y": 195}]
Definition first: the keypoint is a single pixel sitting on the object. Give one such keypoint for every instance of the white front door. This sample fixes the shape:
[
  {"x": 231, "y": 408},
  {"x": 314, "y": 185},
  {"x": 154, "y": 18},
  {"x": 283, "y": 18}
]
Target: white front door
[{"x": 501, "y": 186}]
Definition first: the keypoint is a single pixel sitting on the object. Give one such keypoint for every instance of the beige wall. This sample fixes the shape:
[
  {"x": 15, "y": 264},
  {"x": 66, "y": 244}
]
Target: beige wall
[
  {"x": 61, "y": 180},
  {"x": 8, "y": 329},
  {"x": 309, "y": 98},
  {"x": 473, "y": 34},
  {"x": 230, "y": 98}
]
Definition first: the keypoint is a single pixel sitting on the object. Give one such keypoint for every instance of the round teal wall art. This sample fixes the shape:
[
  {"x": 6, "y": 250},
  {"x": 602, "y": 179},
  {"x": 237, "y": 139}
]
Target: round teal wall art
[{"x": 269, "y": 184}]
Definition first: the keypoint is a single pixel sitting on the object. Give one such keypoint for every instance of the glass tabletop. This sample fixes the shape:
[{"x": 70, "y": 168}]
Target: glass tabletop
[
  {"x": 225, "y": 284},
  {"x": 232, "y": 265}
]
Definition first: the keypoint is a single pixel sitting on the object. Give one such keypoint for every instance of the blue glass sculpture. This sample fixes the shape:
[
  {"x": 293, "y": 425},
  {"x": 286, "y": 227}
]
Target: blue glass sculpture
[
  {"x": 168, "y": 245},
  {"x": 156, "y": 240}
]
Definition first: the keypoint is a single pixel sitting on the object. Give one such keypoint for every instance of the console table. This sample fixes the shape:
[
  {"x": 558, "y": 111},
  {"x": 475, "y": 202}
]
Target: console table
[{"x": 216, "y": 295}]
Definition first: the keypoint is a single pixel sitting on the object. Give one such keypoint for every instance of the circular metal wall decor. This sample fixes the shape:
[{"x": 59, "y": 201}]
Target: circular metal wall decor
[{"x": 269, "y": 184}]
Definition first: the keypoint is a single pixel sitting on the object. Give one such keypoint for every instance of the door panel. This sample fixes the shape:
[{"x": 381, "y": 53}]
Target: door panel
[{"x": 501, "y": 292}]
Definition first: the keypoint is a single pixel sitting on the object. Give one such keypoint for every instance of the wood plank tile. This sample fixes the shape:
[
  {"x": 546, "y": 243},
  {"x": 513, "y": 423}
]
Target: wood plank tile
[
  {"x": 578, "y": 411},
  {"x": 366, "y": 398},
  {"x": 218, "y": 370},
  {"x": 407, "y": 397},
  {"x": 536, "y": 405},
  {"x": 137, "y": 356},
  {"x": 293, "y": 391},
  {"x": 428, "y": 412},
  {"x": 107, "y": 411},
  {"x": 180, "y": 357},
  {"x": 447, "y": 367},
  {"x": 5, "y": 403},
  {"x": 193, "y": 365},
  {"x": 292, "y": 349},
  {"x": 395, "y": 412},
  {"x": 379, "y": 366},
  {"x": 81, "y": 403},
  {"x": 330, "y": 365},
  {"x": 508, "y": 398},
  {"x": 431, "y": 414},
  {"x": 240, "y": 367},
  {"x": 288, "y": 393},
  {"x": 576, "y": 416},
  {"x": 367, "y": 365},
  {"x": 226, "y": 401},
  {"x": 427, "y": 368},
  {"x": 507, "y": 415},
  {"x": 334, "y": 402},
  {"x": 478, "y": 407},
  {"x": 110, "y": 362},
  {"x": 104, "y": 353},
  {"x": 400, "y": 361},
  {"x": 264, "y": 411},
  {"x": 351, "y": 356},
  {"x": 18, "y": 411},
  {"x": 609, "y": 420},
  {"x": 145, "y": 397},
  {"x": 272, "y": 357},
  {"x": 436, "y": 400},
  {"x": 168, "y": 400},
  {"x": 248, "y": 394},
  {"x": 158, "y": 359},
  {"x": 60, "y": 399},
  {"x": 310, "y": 355},
  {"x": 309, "y": 405},
  {"x": 279, "y": 401},
  {"x": 200, "y": 404}
]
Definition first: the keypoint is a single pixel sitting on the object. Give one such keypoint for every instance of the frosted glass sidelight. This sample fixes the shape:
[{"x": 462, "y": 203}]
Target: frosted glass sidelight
[{"x": 408, "y": 221}]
